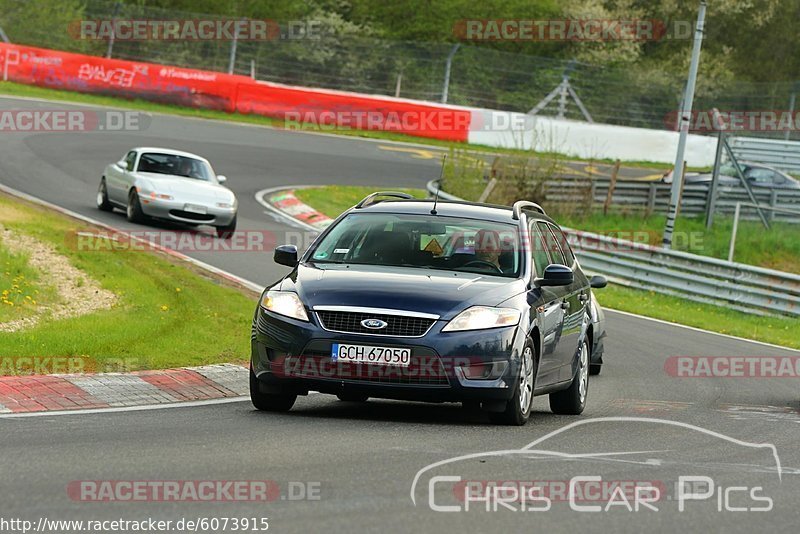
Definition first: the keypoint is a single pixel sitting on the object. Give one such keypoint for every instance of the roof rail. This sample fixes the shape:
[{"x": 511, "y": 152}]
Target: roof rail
[
  {"x": 370, "y": 199},
  {"x": 520, "y": 205}
]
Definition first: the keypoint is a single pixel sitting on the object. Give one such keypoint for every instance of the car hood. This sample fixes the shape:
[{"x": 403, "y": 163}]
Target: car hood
[
  {"x": 183, "y": 188},
  {"x": 444, "y": 293}
]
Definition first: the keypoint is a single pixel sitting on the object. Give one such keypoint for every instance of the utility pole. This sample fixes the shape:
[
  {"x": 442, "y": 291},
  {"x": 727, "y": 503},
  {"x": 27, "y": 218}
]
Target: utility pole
[{"x": 684, "y": 123}]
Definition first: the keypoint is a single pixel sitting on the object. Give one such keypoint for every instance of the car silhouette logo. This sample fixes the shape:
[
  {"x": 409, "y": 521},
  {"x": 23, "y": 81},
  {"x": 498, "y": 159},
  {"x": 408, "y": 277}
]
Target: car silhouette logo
[{"x": 374, "y": 324}]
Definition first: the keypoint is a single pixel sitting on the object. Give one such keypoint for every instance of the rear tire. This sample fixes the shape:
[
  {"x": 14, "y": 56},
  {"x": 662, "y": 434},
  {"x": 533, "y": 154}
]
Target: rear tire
[
  {"x": 518, "y": 409},
  {"x": 103, "y": 203},
  {"x": 352, "y": 397},
  {"x": 134, "y": 208},
  {"x": 572, "y": 400},
  {"x": 267, "y": 402}
]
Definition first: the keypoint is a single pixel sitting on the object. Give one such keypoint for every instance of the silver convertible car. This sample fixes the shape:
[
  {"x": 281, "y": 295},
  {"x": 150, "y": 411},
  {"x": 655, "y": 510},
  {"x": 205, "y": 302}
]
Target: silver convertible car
[{"x": 171, "y": 185}]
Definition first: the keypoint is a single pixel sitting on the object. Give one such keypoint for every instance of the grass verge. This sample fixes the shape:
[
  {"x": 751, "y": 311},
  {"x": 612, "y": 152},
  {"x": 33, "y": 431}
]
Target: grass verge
[
  {"x": 777, "y": 330},
  {"x": 333, "y": 200},
  {"x": 167, "y": 314},
  {"x": 19, "y": 288},
  {"x": 16, "y": 89}
]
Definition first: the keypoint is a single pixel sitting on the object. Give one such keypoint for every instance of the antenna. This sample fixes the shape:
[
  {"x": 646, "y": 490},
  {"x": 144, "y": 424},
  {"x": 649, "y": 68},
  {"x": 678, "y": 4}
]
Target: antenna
[{"x": 439, "y": 186}]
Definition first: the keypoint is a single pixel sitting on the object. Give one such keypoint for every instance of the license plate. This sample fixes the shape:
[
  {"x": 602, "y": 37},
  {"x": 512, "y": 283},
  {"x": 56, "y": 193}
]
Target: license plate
[
  {"x": 194, "y": 208},
  {"x": 368, "y": 354}
]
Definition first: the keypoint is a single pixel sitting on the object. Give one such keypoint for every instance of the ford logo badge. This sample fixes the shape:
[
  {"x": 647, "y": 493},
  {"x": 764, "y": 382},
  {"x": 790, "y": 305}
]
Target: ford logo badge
[{"x": 374, "y": 324}]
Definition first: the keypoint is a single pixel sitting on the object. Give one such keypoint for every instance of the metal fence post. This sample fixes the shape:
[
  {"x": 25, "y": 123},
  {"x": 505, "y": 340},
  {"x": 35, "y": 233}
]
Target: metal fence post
[
  {"x": 733, "y": 232},
  {"x": 651, "y": 199},
  {"x": 448, "y": 65},
  {"x": 711, "y": 199},
  {"x": 110, "y": 48},
  {"x": 4, "y": 37},
  {"x": 792, "y": 99},
  {"x": 773, "y": 203},
  {"x": 232, "y": 58}
]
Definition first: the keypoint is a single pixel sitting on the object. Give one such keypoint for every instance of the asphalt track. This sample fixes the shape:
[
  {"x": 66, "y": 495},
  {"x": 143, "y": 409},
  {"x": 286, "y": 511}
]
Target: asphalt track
[{"x": 364, "y": 458}]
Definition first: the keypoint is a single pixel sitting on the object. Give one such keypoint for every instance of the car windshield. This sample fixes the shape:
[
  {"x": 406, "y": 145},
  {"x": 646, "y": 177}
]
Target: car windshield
[
  {"x": 422, "y": 241},
  {"x": 176, "y": 166}
]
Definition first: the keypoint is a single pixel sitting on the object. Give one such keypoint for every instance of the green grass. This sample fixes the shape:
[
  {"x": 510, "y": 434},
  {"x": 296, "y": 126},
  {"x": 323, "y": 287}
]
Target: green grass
[
  {"x": 777, "y": 330},
  {"x": 16, "y": 89},
  {"x": 167, "y": 315},
  {"x": 332, "y": 200},
  {"x": 20, "y": 291}
]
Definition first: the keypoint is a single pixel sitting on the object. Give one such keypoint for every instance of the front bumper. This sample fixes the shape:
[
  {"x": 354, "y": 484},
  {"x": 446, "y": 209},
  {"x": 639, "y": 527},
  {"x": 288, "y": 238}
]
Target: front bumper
[
  {"x": 173, "y": 210},
  {"x": 290, "y": 356}
]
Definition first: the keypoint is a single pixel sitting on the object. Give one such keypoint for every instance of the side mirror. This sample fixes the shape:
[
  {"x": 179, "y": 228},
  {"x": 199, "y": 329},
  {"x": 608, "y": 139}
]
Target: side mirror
[
  {"x": 286, "y": 255},
  {"x": 598, "y": 282},
  {"x": 555, "y": 275},
  {"x": 221, "y": 178},
  {"x": 122, "y": 164}
]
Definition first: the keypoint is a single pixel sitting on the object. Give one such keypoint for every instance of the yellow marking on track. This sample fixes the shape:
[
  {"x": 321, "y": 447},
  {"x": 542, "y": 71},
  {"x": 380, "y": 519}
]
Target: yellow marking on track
[{"x": 416, "y": 153}]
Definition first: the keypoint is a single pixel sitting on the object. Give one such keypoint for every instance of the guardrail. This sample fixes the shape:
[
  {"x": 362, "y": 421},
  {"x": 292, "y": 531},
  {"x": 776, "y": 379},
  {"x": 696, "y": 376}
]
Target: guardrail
[
  {"x": 784, "y": 155},
  {"x": 654, "y": 197},
  {"x": 737, "y": 286}
]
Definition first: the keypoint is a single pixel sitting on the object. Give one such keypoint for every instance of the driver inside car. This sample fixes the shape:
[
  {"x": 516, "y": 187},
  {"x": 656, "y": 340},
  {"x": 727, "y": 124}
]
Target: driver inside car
[{"x": 487, "y": 247}]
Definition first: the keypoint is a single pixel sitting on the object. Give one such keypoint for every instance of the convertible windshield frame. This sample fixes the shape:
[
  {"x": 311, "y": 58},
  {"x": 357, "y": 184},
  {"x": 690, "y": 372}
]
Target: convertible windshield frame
[{"x": 200, "y": 171}]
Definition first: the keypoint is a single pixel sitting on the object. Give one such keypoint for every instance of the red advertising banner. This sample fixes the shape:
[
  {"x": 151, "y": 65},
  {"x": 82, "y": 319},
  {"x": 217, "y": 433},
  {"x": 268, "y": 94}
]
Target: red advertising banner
[{"x": 322, "y": 109}]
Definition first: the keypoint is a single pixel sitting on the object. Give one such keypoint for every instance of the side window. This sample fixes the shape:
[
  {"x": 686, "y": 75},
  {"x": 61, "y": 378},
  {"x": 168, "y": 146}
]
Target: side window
[
  {"x": 538, "y": 250},
  {"x": 561, "y": 239},
  {"x": 130, "y": 159},
  {"x": 552, "y": 244}
]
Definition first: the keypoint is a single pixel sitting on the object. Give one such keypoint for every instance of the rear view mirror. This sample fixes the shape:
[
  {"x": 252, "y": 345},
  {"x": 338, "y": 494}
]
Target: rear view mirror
[
  {"x": 598, "y": 282},
  {"x": 555, "y": 275},
  {"x": 286, "y": 255}
]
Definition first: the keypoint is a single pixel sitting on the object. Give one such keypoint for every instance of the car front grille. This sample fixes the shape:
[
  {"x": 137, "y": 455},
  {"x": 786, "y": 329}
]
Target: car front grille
[
  {"x": 396, "y": 325},
  {"x": 425, "y": 369},
  {"x": 191, "y": 215}
]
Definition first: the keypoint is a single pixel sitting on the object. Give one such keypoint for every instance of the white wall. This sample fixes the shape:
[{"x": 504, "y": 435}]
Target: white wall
[{"x": 586, "y": 140}]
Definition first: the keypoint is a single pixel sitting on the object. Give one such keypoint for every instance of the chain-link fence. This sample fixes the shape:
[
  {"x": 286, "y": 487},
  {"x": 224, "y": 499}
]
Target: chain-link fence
[{"x": 342, "y": 57}]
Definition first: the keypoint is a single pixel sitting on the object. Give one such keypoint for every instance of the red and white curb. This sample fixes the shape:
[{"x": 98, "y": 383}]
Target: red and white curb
[
  {"x": 284, "y": 201},
  {"x": 26, "y": 394}
]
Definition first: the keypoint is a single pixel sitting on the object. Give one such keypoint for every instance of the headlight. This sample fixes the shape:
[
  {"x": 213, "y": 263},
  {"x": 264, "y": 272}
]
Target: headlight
[
  {"x": 284, "y": 303},
  {"x": 480, "y": 317}
]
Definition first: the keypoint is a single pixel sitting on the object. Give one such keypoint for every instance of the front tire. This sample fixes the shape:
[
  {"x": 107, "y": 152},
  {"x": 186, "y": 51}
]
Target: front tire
[
  {"x": 572, "y": 400},
  {"x": 134, "y": 208},
  {"x": 267, "y": 402},
  {"x": 225, "y": 232},
  {"x": 103, "y": 203},
  {"x": 518, "y": 409}
]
